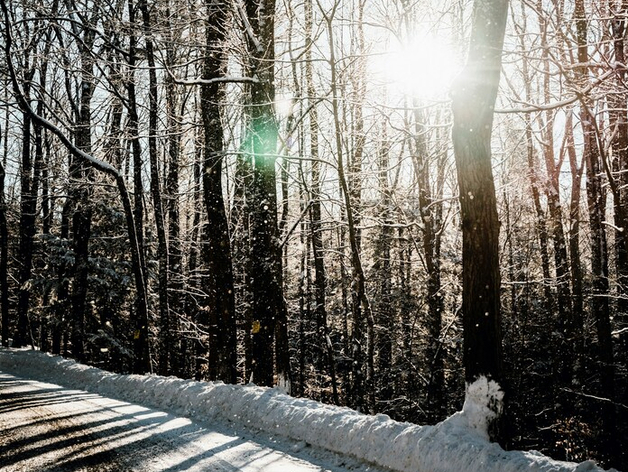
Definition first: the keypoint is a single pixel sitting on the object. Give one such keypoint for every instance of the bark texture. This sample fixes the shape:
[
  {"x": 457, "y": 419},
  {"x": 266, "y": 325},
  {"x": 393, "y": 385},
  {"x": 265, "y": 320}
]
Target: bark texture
[{"x": 474, "y": 96}]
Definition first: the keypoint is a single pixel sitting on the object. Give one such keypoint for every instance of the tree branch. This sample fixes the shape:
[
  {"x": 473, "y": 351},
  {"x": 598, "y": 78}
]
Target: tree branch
[{"x": 533, "y": 108}]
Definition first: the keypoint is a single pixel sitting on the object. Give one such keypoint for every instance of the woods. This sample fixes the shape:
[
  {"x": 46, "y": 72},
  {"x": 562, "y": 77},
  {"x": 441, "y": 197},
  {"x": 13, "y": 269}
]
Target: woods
[{"x": 366, "y": 203}]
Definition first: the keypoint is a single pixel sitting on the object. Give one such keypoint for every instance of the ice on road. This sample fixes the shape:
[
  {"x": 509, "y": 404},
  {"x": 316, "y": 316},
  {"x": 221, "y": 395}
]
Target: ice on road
[{"x": 45, "y": 427}]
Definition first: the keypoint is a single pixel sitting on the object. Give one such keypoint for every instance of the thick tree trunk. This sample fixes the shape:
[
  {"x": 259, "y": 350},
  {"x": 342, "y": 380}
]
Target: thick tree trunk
[
  {"x": 82, "y": 175},
  {"x": 474, "y": 96},
  {"x": 28, "y": 203},
  {"x": 265, "y": 253},
  {"x": 217, "y": 312}
]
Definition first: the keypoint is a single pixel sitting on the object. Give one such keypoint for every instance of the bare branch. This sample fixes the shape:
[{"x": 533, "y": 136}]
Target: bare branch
[
  {"x": 533, "y": 108},
  {"x": 217, "y": 80}
]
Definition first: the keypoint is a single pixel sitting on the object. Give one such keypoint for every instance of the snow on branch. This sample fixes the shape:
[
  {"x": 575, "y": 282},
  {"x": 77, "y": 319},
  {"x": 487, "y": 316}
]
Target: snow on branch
[
  {"x": 247, "y": 26},
  {"x": 25, "y": 106},
  {"x": 199, "y": 81},
  {"x": 533, "y": 108}
]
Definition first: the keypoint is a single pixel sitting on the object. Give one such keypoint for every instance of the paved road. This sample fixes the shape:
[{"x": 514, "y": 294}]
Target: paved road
[{"x": 45, "y": 427}]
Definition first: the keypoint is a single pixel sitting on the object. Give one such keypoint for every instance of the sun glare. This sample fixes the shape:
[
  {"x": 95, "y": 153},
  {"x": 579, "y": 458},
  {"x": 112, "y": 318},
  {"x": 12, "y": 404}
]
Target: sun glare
[
  {"x": 284, "y": 106},
  {"x": 424, "y": 67}
]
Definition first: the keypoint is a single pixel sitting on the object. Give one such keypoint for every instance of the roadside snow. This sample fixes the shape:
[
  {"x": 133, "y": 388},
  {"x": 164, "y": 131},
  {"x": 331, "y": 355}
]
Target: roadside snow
[
  {"x": 47, "y": 427},
  {"x": 457, "y": 444},
  {"x": 483, "y": 401}
]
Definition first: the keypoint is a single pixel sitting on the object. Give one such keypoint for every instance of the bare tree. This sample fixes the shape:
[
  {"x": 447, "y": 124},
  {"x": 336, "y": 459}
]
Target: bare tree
[
  {"x": 217, "y": 313},
  {"x": 596, "y": 200},
  {"x": 4, "y": 251},
  {"x": 265, "y": 267},
  {"x": 474, "y": 96},
  {"x": 141, "y": 362}
]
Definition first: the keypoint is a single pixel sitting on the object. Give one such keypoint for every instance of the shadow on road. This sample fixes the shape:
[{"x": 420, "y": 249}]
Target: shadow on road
[{"x": 48, "y": 428}]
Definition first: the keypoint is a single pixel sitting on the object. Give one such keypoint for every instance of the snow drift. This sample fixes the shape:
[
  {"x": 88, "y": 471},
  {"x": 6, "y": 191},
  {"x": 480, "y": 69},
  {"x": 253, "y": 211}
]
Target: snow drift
[{"x": 457, "y": 444}]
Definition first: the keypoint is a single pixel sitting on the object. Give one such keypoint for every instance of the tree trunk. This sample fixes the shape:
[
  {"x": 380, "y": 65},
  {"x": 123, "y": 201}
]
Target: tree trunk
[
  {"x": 316, "y": 236},
  {"x": 81, "y": 173},
  {"x": 534, "y": 174},
  {"x": 191, "y": 343},
  {"x": 133, "y": 131},
  {"x": 361, "y": 309},
  {"x": 155, "y": 190},
  {"x": 575, "y": 268},
  {"x": 28, "y": 204},
  {"x": 217, "y": 313},
  {"x": 37, "y": 180},
  {"x": 383, "y": 306},
  {"x": 355, "y": 156},
  {"x": 430, "y": 225},
  {"x": 265, "y": 253},
  {"x": 474, "y": 96},
  {"x": 4, "y": 248},
  {"x": 618, "y": 120},
  {"x": 241, "y": 254},
  {"x": 175, "y": 262},
  {"x": 596, "y": 200}
]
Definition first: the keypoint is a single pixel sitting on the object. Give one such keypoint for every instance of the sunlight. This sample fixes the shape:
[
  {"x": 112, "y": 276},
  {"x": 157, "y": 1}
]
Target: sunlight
[
  {"x": 284, "y": 105},
  {"x": 423, "y": 67}
]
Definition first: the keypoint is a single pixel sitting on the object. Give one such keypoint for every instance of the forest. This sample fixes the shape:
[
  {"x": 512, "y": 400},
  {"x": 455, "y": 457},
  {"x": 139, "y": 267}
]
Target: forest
[{"x": 276, "y": 192}]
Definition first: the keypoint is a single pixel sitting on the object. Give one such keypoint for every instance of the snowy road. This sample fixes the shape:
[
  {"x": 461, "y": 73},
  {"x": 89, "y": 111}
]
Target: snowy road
[
  {"x": 218, "y": 427},
  {"x": 45, "y": 427}
]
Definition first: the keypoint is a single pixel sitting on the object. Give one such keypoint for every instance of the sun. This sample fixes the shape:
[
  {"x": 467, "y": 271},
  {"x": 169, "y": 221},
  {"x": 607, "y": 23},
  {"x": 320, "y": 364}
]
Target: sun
[{"x": 423, "y": 67}]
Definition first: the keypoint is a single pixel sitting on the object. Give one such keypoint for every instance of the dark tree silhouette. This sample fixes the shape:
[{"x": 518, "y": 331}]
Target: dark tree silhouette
[{"x": 474, "y": 96}]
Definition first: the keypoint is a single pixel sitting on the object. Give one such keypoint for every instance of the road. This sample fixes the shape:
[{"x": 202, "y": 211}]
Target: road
[{"x": 45, "y": 427}]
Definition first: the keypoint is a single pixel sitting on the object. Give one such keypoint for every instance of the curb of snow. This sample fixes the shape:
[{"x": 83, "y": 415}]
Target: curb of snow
[{"x": 453, "y": 445}]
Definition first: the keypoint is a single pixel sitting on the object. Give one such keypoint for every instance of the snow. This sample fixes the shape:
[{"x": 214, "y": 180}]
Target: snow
[
  {"x": 483, "y": 402},
  {"x": 457, "y": 444},
  {"x": 45, "y": 427}
]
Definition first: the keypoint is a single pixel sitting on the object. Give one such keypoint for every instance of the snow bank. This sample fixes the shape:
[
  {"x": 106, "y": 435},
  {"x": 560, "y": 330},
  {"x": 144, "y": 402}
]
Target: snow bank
[
  {"x": 458, "y": 444},
  {"x": 483, "y": 402}
]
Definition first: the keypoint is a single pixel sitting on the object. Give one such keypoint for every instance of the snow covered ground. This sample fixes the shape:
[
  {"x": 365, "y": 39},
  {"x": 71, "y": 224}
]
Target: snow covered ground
[
  {"x": 48, "y": 428},
  {"x": 457, "y": 444}
]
